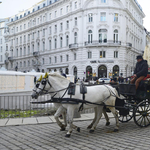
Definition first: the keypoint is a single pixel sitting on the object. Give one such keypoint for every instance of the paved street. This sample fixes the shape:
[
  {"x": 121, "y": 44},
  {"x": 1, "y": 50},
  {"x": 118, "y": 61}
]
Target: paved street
[{"x": 49, "y": 137}]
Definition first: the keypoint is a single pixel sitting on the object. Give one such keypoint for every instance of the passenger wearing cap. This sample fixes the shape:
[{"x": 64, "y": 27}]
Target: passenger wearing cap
[{"x": 140, "y": 71}]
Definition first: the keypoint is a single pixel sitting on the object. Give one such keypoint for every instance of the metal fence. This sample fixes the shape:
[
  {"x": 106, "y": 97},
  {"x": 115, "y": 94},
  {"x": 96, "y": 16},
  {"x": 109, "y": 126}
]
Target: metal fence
[{"x": 20, "y": 106}]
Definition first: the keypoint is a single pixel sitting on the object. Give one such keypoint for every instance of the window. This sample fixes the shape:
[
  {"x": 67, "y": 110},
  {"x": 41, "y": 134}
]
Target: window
[
  {"x": 50, "y": 30},
  {"x": 103, "y": 1},
  {"x": 115, "y": 54},
  {"x": 50, "y": 61},
  {"x": 74, "y": 56},
  {"x": 67, "y": 40},
  {"x": 33, "y": 35},
  {"x": 28, "y": 63},
  {"x": 43, "y": 32},
  {"x": 103, "y": 36},
  {"x": 61, "y": 11},
  {"x": 20, "y": 40},
  {"x": 75, "y": 5},
  {"x": 24, "y": 38},
  {"x": 75, "y": 37},
  {"x": 33, "y": 48},
  {"x": 115, "y": 17},
  {"x": 24, "y": 50},
  {"x": 103, "y": 16},
  {"x": 89, "y": 54},
  {"x": 28, "y": 49},
  {"x": 28, "y": 37},
  {"x": 17, "y": 29},
  {"x": 102, "y": 54},
  {"x": 60, "y": 58},
  {"x": 50, "y": 2},
  {"x": 55, "y": 14},
  {"x": 24, "y": 64},
  {"x": 20, "y": 51},
  {"x": 43, "y": 61},
  {"x": 17, "y": 52},
  {"x": 55, "y": 59},
  {"x": 75, "y": 21},
  {"x": 90, "y": 36},
  {"x": 90, "y": 17},
  {"x": 67, "y": 9},
  {"x": 38, "y": 34},
  {"x": 67, "y": 24},
  {"x": 43, "y": 46},
  {"x": 115, "y": 36},
  {"x": 50, "y": 44},
  {"x": 50, "y": 16},
  {"x": 55, "y": 43},
  {"x": 20, "y": 27},
  {"x": 61, "y": 26},
  {"x": 61, "y": 42},
  {"x": 1, "y": 49},
  {"x": 24, "y": 26},
  {"x": 38, "y": 7},
  {"x": 67, "y": 57},
  {"x": 56, "y": 28}
]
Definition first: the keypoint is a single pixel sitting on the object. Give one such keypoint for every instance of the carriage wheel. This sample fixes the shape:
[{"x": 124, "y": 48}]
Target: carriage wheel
[
  {"x": 142, "y": 114},
  {"x": 128, "y": 116}
]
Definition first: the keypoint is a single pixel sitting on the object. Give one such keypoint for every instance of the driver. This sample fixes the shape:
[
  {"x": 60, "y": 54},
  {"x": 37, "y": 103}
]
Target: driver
[{"x": 140, "y": 71}]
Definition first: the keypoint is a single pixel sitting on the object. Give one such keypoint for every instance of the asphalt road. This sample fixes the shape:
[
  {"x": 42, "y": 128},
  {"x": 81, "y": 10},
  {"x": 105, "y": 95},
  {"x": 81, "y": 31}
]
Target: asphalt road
[{"x": 49, "y": 137}]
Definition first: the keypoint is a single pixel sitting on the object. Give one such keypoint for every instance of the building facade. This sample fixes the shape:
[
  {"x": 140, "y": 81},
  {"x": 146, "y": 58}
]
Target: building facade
[
  {"x": 82, "y": 37},
  {"x": 3, "y": 29}
]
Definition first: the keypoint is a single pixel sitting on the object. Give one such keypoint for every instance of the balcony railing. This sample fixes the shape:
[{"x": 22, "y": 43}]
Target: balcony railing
[
  {"x": 73, "y": 46},
  {"x": 35, "y": 54},
  {"x": 102, "y": 42},
  {"x": 10, "y": 58},
  {"x": 129, "y": 44}
]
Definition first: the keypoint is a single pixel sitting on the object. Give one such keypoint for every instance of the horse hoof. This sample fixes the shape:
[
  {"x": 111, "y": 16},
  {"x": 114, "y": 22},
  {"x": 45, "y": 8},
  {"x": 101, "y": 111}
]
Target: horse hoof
[
  {"x": 89, "y": 127},
  {"x": 91, "y": 131},
  {"x": 62, "y": 129},
  {"x": 116, "y": 130},
  {"x": 108, "y": 123},
  {"x": 68, "y": 135},
  {"x": 78, "y": 129}
]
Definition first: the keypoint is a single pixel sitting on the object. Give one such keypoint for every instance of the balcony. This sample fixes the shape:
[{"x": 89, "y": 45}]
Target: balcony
[
  {"x": 36, "y": 54},
  {"x": 102, "y": 43},
  {"x": 129, "y": 44},
  {"x": 6, "y": 61},
  {"x": 73, "y": 46},
  {"x": 10, "y": 58}
]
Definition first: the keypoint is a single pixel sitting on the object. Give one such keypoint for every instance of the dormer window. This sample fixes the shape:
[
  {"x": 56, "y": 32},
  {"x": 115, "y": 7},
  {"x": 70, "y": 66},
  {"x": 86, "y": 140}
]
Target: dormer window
[
  {"x": 33, "y": 10},
  {"x": 44, "y": 5},
  {"x": 28, "y": 12},
  {"x": 20, "y": 16},
  {"x": 38, "y": 7}
]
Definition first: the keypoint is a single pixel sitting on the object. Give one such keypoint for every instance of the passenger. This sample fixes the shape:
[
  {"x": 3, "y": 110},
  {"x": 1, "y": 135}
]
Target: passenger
[{"x": 140, "y": 71}]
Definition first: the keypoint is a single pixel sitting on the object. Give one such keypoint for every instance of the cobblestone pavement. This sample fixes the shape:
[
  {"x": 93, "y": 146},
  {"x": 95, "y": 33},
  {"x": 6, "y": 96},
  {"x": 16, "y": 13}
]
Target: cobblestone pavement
[{"x": 49, "y": 137}]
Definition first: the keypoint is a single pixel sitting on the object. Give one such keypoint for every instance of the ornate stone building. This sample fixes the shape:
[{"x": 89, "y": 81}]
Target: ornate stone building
[{"x": 81, "y": 37}]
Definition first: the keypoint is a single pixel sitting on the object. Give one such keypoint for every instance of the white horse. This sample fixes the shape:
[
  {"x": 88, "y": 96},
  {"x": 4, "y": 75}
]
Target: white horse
[
  {"x": 95, "y": 94},
  {"x": 61, "y": 110}
]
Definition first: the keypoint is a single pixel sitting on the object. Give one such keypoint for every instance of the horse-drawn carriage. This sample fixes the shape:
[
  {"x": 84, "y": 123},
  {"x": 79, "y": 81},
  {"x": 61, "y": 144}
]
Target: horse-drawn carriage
[{"x": 130, "y": 103}]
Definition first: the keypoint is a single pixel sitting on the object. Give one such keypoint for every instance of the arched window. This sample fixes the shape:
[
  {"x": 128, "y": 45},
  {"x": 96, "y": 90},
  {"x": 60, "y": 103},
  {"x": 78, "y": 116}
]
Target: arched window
[
  {"x": 116, "y": 36},
  {"x": 116, "y": 71},
  {"x": 67, "y": 40},
  {"x": 50, "y": 44},
  {"x": 55, "y": 43},
  {"x": 75, "y": 72},
  {"x": 75, "y": 37},
  {"x": 61, "y": 42},
  {"x": 102, "y": 71},
  {"x": 103, "y": 36},
  {"x": 88, "y": 72},
  {"x": 38, "y": 46},
  {"x": 43, "y": 46},
  {"x": 90, "y": 36}
]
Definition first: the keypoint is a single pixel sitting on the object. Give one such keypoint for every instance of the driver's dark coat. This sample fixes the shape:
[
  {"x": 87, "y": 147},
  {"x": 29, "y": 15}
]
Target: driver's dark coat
[{"x": 141, "y": 68}]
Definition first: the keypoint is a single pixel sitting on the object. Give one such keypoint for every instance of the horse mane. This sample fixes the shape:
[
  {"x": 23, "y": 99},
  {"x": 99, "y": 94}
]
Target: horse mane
[{"x": 57, "y": 74}]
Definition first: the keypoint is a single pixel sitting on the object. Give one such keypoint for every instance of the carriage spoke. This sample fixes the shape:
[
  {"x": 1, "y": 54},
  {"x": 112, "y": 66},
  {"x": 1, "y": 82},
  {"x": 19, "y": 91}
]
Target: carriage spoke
[
  {"x": 139, "y": 118},
  {"x": 141, "y": 121},
  {"x": 148, "y": 119}
]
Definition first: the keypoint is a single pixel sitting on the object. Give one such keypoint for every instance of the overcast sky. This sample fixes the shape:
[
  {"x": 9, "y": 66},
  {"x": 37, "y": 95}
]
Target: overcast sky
[{"x": 9, "y": 8}]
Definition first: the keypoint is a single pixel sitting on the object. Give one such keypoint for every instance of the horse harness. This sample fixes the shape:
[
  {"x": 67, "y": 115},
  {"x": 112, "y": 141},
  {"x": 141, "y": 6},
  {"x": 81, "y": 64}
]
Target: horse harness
[{"x": 71, "y": 91}]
